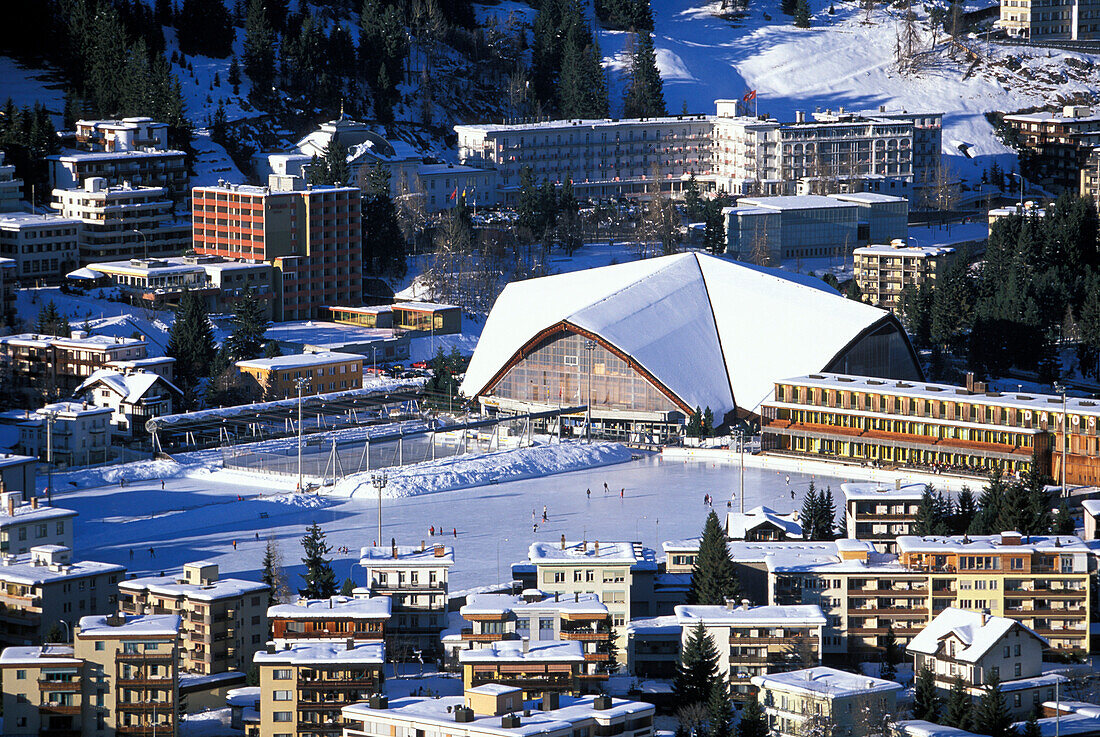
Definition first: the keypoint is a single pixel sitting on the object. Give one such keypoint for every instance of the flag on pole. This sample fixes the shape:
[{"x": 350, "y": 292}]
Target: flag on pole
[
  {"x": 453, "y": 194},
  {"x": 749, "y": 96}
]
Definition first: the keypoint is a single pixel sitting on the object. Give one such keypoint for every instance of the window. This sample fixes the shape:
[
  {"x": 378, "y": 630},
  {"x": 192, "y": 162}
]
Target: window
[
  {"x": 100, "y": 645},
  {"x": 282, "y": 696},
  {"x": 282, "y": 716},
  {"x": 995, "y": 672},
  {"x": 1016, "y": 699},
  {"x": 559, "y": 576},
  {"x": 21, "y": 675},
  {"x": 281, "y": 674},
  {"x": 1017, "y": 672},
  {"x": 1008, "y": 651},
  {"x": 1017, "y": 650},
  {"x": 60, "y": 528}
]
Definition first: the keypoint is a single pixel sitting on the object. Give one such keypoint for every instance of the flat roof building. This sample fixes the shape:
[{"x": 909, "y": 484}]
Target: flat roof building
[
  {"x": 879, "y": 514},
  {"x": 377, "y": 345},
  {"x": 798, "y": 701},
  {"x": 415, "y": 579},
  {"x": 266, "y": 379},
  {"x": 884, "y": 271},
  {"x": 43, "y": 247},
  {"x": 338, "y": 618}
]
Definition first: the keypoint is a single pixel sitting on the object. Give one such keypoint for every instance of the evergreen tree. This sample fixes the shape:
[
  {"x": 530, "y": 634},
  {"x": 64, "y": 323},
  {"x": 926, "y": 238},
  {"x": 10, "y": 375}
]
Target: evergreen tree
[
  {"x": 714, "y": 234},
  {"x": 694, "y": 428},
  {"x": 991, "y": 716},
  {"x": 694, "y": 207},
  {"x": 802, "y": 14},
  {"x": 191, "y": 343},
  {"x": 890, "y": 655},
  {"x": 926, "y": 699},
  {"x": 259, "y": 51},
  {"x": 272, "y": 572},
  {"x": 930, "y": 519},
  {"x": 965, "y": 511},
  {"x": 753, "y": 721},
  {"x": 319, "y": 577},
  {"x": 205, "y": 27},
  {"x": 644, "y": 96},
  {"x": 1063, "y": 521},
  {"x": 853, "y": 292},
  {"x": 384, "y": 245},
  {"x": 952, "y": 306},
  {"x": 811, "y": 513},
  {"x": 826, "y": 521},
  {"x": 347, "y": 588},
  {"x": 719, "y": 709},
  {"x": 1031, "y": 726},
  {"x": 707, "y": 428},
  {"x": 713, "y": 577},
  {"x": 916, "y": 310},
  {"x": 989, "y": 504},
  {"x": 249, "y": 326},
  {"x": 697, "y": 670},
  {"x": 272, "y": 349},
  {"x": 336, "y": 163},
  {"x": 959, "y": 706}
]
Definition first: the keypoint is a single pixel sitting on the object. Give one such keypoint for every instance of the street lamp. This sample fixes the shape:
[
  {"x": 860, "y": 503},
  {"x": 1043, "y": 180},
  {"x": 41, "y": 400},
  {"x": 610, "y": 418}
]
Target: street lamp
[
  {"x": 1060, "y": 388},
  {"x": 144, "y": 241},
  {"x": 379, "y": 480},
  {"x": 300, "y": 382},
  {"x": 1020, "y": 176},
  {"x": 589, "y": 346},
  {"x": 51, "y": 417}
]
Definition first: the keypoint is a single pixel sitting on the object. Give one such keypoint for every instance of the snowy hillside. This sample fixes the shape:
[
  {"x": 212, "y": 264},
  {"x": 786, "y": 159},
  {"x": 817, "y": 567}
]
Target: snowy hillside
[{"x": 842, "y": 62}]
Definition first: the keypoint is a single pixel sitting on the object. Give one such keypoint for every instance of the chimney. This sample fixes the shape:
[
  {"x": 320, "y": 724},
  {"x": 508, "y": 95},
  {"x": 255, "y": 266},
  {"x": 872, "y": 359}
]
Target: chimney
[
  {"x": 985, "y": 617},
  {"x": 350, "y": 644},
  {"x": 601, "y": 702},
  {"x": 584, "y": 546},
  {"x": 596, "y": 547},
  {"x": 576, "y": 596},
  {"x": 34, "y": 502},
  {"x": 422, "y": 546},
  {"x": 799, "y": 116},
  {"x": 562, "y": 537},
  {"x": 550, "y": 701},
  {"x": 745, "y": 603},
  {"x": 440, "y": 551},
  {"x": 393, "y": 549},
  {"x": 271, "y": 648},
  {"x": 526, "y": 643},
  {"x": 555, "y": 596}
]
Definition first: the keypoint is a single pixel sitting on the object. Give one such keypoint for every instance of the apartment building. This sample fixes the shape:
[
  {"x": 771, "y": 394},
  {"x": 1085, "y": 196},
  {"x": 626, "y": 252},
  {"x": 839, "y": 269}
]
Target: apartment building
[
  {"x": 11, "y": 188},
  {"x": 43, "y": 247},
  {"x": 879, "y": 514},
  {"x": 161, "y": 282},
  {"x": 132, "y": 396},
  {"x": 415, "y": 579},
  {"x": 489, "y": 711},
  {"x": 277, "y": 378},
  {"x": 978, "y": 647},
  {"x": 43, "y": 691},
  {"x": 1039, "y": 20},
  {"x": 538, "y": 618},
  {"x": 304, "y": 686},
  {"x": 757, "y": 640},
  {"x": 377, "y": 345},
  {"x": 427, "y": 318},
  {"x": 761, "y": 524},
  {"x": 359, "y": 618},
  {"x": 1090, "y": 176},
  {"x": 122, "y": 221},
  {"x": 45, "y": 588},
  {"x": 803, "y": 701},
  {"x": 69, "y": 434},
  {"x": 133, "y": 150},
  {"x": 621, "y": 574},
  {"x": 25, "y": 524},
  {"x": 1060, "y": 141},
  {"x": 884, "y": 271},
  {"x": 806, "y": 226},
  {"x": 653, "y": 646},
  {"x": 309, "y": 235},
  {"x": 40, "y": 366},
  {"x": 1041, "y": 582},
  {"x": 131, "y": 674},
  {"x": 9, "y": 277},
  {"x": 17, "y": 473},
  {"x": 223, "y": 620},
  {"x": 930, "y": 426},
  {"x": 538, "y": 668},
  {"x": 603, "y": 158}
]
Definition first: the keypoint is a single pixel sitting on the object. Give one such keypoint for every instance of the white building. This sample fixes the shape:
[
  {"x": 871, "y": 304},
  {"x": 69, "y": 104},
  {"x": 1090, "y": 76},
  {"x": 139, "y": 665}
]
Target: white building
[
  {"x": 763, "y": 523},
  {"x": 9, "y": 275},
  {"x": 11, "y": 187},
  {"x": 25, "y": 524},
  {"x": 879, "y": 513},
  {"x": 123, "y": 221},
  {"x": 68, "y": 433},
  {"x": 836, "y": 702},
  {"x": 132, "y": 396},
  {"x": 977, "y": 648},
  {"x": 415, "y": 578},
  {"x": 44, "y": 247}
]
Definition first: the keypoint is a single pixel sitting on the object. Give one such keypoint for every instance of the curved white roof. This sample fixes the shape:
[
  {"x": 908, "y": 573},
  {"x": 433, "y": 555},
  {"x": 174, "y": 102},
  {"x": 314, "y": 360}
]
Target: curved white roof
[{"x": 742, "y": 327}]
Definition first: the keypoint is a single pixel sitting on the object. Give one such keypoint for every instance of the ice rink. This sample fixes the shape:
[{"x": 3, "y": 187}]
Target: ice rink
[{"x": 200, "y": 518}]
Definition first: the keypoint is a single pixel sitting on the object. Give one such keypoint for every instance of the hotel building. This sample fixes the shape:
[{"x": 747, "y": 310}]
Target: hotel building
[
  {"x": 883, "y": 271},
  {"x": 276, "y": 378},
  {"x": 43, "y": 247},
  {"x": 47, "y": 366},
  {"x": 879, "y": 514},
  {"x": 360, "y": 618}
]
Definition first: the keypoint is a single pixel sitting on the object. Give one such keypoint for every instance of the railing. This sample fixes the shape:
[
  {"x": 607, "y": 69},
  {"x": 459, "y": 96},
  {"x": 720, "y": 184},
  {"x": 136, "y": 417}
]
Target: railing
[
  {"x": 585, "y": 636},
  {"x": 59, "y": 685},
  {"x": 59, "y": 708}
]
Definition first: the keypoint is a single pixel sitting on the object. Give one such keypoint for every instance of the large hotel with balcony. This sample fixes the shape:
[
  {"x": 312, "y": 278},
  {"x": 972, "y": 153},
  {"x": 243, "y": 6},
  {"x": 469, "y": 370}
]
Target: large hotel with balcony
[{"x": 967, "y": 430}]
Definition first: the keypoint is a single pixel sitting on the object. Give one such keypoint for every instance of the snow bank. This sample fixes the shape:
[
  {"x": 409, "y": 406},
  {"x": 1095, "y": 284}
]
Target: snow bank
[
  {"x": 485, "y": 468},
  {"x": 85, "y": 478}
]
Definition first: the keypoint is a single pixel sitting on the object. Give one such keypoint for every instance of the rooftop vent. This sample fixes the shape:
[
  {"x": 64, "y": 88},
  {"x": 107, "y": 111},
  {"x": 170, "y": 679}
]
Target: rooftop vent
[
  {"x": 464, "y": 714},
  {"x": 601, "y": 702},
  {"x": 510, "y": 721}
]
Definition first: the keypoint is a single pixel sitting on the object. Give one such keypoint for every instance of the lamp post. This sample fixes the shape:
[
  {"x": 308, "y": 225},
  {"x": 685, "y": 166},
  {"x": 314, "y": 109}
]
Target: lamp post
[
  {"x": 300, "y": 382},
  {"x": 51, "y": 416},
  {"x": 1060, "y": 388},
  {"x": 1020, "y": 176},
  {"x": 379, "y": 480},
  {"x": 589, "y": 346},
  {"x": 144, "y": 241}
]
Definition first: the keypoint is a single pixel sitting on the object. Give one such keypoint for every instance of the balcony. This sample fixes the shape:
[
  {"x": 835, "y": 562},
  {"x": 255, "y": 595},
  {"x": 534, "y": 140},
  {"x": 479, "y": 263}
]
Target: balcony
[
  {"x": 59, "y": 685},
  {"x": 59, "y": 709},
  {"x": 584, "y": 636},
  {"x": 151, "y": 659},
  {"x": 597, "y": 657}
]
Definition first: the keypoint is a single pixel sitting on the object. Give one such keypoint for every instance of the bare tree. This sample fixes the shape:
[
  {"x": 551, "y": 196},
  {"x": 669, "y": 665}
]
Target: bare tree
[
  {"x": 908, "y": 41},
  {"x": 761, "y": 253}
]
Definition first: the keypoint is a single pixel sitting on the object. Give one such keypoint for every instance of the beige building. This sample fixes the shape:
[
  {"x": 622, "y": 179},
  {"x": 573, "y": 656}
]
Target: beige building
[
  {"x": 46, "y": 366},
  {"x": 45, "y": 590},
  {"x": 545, "y": 667},
  {"x": 879, "y": 514},
  {"x": 44, "y": 247},
  {"x": 338, "y": 618},
  {"x": 415, "y": 579},
  {"x": 757, "y": 640},
  {"x": 1050, "y": 19},
  {"x": 495, "y": 711},
  {"x": 224, "y": 619},
  {"x": 802, "y": 702},
  {"x": 276, "y": 378},
  {"x": 303, "y": 687},
  {"x": 123, "y": 221},
  {"x": 883, "y": 271},
  {"x": 24, "y": 524},
  {"x": 44, "y": 691},
  {"x": 978, "y": 648}
]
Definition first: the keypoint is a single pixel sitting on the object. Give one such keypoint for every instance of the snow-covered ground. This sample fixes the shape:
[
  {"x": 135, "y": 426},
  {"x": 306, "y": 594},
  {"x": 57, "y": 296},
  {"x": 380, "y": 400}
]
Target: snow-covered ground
[
  {"x": 200, "y": 517},
  {"x": 28, "y": 85}
]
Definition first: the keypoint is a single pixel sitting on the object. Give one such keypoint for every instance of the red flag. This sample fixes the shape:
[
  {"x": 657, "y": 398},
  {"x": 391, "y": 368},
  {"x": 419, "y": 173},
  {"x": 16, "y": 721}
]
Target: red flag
[
  {"x": 749, "y": 96},
  {"x": 453, "y": 194}
]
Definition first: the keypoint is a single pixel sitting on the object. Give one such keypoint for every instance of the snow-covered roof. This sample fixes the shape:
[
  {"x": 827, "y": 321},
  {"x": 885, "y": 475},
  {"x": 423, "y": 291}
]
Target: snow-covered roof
[
  {"x": 869, "y": 491},
  {"x": 324, "y": 653},
  {"x": 438, "y": 715},
  {"x": 299, "y": 360},
  {"x": 668, "y": 624},
  {"x": 547, "y": 651},
  {"x": 343, "y": 607},
  {"x": 977, "y": 632},
  {"x": 74, "y": 409},
  {"x": 378, "y": 556},
  {"x": 331, "y": 336},
  {"x": 628, "y": 553},
  {"x": 22, "y": 569},
  {"x": 1065, "y": 726},
  {"x": 491, "y": 604},
  {"x": 33, "y": 219},
  {"x": 824, "y": 681},
  {"x": 131, "y": 386},
  {"x": 223, "y": 588},
  {"x": 656, "y": 311},
  {"x": 1092, "y": 506},
  {"x": 39, "y": 655},
  {"x": 493, "y": 689},
  {"x": 738, "y": 524},
  {"x": 797, "y": 202},
  {"x": 243, "y": 696},
  {"x": 575, "y": 123},
  {"x": 867, "y": 198},
  {"x": 131, "y": 625},
  {"x": 990, "y": 544},
  {"x": 794, "y": 615},
  {"x": 921, "y": 728},
  {"x": 27, "y": 512},
  {"x": 1078, "y": 707}
]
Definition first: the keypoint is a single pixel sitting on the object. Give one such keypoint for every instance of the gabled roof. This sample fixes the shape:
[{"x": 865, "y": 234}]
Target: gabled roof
[
  {"x": 976, "y": 636},
  {"x": 738, "y": 524},
  {"x": 743, "y": 326},
  {"x": 130, "y": 386}
]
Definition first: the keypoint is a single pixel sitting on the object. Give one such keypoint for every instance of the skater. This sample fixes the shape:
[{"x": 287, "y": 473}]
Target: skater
[
  {"x": 234, "y": 544},
  {"x": 534, "y": 527},
  {"x": 162, "y": 484},
  {"x": 588, "y": 492},
  {"x": 152, "y": 553},
  {"x": 257, "y": 536},
  {"x": 455, "y": 530},
  {"x": 792, "y": 493},
  {"x": 431, "y": 531},
  {"x": 543, "y": 512},
  {"x": 622, "y": 492},
  {"x": 788, "y": 479},
  {"x": 729, "y": 504},
  {"x": 131, "y": 553},
  {"x": 605, "y": 489}
]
